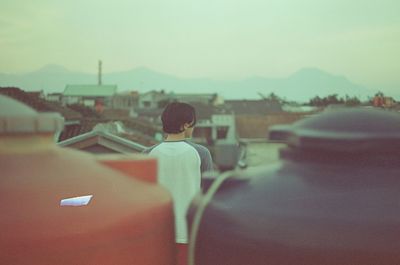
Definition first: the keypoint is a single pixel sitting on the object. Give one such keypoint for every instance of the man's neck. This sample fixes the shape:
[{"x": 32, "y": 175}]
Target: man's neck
[{"x": 175, "y": 137}]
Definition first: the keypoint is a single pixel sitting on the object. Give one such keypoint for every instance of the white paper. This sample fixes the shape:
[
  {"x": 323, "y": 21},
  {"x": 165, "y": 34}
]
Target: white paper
[{"x": 76, "y": 201}]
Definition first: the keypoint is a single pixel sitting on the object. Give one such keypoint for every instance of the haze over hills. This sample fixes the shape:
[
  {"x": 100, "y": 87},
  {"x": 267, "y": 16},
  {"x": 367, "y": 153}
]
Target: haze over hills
[{"x": 300, "y": 86}]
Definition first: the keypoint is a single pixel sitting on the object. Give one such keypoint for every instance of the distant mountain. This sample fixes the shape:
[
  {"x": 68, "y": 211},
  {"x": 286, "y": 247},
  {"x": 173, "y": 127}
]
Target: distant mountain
[
  {"x": 53, "y": 68},
  {"x": 50, "y": 78},
  {"x": 301, "y": 85}
]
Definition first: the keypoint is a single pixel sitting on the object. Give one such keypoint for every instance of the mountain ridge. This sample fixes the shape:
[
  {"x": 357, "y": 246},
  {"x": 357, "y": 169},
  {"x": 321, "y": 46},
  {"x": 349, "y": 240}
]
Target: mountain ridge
[{"x": 301, "y": 85}]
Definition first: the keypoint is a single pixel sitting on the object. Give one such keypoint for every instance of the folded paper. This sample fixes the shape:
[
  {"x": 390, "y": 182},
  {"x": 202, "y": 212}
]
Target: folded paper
[{"x": 76, "y": 201}]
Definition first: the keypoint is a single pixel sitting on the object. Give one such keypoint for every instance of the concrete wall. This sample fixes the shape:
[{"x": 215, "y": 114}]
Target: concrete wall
[{"x": 256, "y": 126}]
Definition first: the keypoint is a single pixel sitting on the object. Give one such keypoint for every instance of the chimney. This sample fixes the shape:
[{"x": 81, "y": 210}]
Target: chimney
[{"x": 99, "y": 76}]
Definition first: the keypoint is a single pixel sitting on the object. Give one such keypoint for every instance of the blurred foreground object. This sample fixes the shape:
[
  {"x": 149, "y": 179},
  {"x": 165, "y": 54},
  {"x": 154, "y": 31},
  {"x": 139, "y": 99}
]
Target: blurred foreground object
[
  {"x": 61, "y": 206},
  {"x": 332, "y": 199}
]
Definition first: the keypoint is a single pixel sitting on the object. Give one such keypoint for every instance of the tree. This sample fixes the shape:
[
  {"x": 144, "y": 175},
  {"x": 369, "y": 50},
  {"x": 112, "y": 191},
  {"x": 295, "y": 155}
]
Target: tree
[
  {"x": 316, "y": 101},
  {"x": 334, "y": 99},
  {"x": 352, "y": 101}
]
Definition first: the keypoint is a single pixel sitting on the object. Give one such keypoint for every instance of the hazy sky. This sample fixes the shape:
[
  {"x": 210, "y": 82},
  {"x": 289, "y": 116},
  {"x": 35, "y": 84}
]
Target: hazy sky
[{"x": 224, "y": 39}]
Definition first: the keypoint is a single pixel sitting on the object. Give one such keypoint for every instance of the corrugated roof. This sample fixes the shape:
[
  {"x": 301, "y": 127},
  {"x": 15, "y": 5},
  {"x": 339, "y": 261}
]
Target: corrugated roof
[{"x": 90, "y": 90}]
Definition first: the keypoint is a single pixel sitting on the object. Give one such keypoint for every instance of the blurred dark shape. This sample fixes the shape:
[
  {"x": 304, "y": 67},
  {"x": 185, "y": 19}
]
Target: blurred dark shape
[
  {"x": 226, "y": 155},
  {"x": 279, "y": 133},
  {"x": 332, "y": 199}
]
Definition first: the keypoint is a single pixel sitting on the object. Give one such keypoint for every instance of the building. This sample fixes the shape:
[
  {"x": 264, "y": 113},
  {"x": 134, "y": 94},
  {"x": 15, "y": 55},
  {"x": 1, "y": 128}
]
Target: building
[
  {"x": 219, "y": 128},
  {"x": 55, "y": 97},
  {"x": 382, "y": 101},
  {"x": 251, "y": 107},
  {"x": 158, "y": 99},
  {"x": 210, "y": 99},
  {"x": 89, "y": 95},
  {"x": 125, "y": 100},
  {"x": 37, "y": 94},
  {"x": 152, "y": 99}
]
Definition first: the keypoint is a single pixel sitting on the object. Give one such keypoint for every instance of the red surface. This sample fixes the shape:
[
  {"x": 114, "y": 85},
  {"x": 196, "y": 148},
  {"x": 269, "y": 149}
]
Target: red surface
[
  {"x": 144, "y": 168},
  {"x": 182, "y": 254},
  {"x": 127, "y": 221}
]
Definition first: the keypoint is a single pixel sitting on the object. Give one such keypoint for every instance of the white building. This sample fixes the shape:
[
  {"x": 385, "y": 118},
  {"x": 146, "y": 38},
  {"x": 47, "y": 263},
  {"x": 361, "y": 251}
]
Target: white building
[
  {"x": 152, "y": 99},
  {"x": 220, "y": 128}
]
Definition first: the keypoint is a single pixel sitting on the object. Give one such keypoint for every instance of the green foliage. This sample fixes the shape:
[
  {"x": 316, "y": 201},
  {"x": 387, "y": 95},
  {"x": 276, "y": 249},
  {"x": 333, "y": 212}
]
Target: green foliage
[
  {"x": 352, "y": 101},
  {"x": 272, "y": 97},
  {"x": 335, "y": 100}
]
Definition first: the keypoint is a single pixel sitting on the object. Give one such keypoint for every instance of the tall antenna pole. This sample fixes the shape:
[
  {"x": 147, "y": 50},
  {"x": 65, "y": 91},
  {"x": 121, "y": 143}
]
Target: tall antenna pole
[{"x": 99, "y": 81}]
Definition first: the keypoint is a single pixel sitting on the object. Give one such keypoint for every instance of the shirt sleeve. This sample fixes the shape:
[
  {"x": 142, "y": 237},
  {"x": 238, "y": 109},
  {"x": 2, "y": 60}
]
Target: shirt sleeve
[
  {"x": 206, "y": 161},
  {"x": 205, "y": 157}
]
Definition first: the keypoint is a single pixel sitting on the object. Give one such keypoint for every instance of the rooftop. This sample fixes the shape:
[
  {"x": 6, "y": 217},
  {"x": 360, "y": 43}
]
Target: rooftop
[
  {"x": 39, "y": 104},
  {"x": 102, "y": 142}
]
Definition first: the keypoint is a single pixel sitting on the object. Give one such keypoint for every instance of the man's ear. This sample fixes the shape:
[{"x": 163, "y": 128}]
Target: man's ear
[{"x": 184, "y": 127}]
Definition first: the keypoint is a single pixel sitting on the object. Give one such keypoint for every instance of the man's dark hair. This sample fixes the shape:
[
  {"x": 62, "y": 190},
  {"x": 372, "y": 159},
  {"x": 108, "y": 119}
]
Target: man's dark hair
[{"x": 175, "y": 115}]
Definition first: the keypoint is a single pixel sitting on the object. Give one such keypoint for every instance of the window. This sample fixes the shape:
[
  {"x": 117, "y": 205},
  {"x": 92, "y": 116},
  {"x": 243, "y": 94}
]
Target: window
[{"x": 222, "y": 132}]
